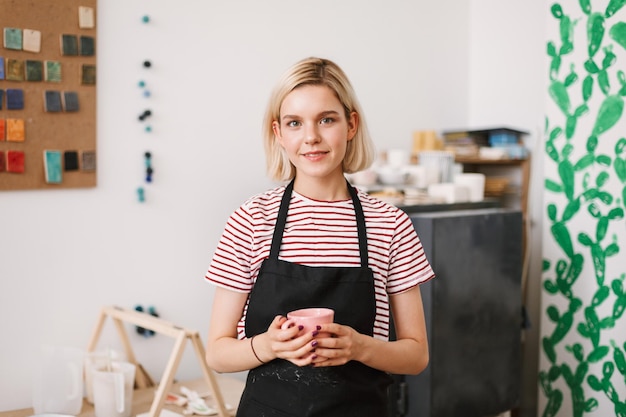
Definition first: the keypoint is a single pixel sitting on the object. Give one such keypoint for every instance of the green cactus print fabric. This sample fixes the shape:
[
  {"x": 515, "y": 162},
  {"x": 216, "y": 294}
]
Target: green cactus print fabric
[{"x": 583, "y": 330}]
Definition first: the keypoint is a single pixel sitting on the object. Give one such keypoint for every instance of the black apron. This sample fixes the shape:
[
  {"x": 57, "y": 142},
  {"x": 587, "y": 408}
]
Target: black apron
[{"x": 280, "y": 388}]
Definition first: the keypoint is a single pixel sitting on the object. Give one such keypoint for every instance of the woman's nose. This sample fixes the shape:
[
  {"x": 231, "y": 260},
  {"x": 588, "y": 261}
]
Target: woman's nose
[{"x": 311, "y": 134}]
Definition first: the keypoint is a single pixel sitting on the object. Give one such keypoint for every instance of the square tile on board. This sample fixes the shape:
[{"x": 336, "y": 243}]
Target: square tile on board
[
  {"x": 32, "y": 40},
  {"x": 70, "y": 101},
  {"x": 70, "y": 160},
  {"x": 88, "y": 74},
  {"x": 15, "y": 70},
  {"x": 13, "y": 38},
  {"x": 52, "y": 71},
  {"x": 69, "y": 45},
  {"x": 15, "y": 130},
  {"x": 52, "y": 166},
  {"x": 33, "y": 70},
  {"x": 52, "y": 101},
  {"x": 86, "y": 17},
  {"x": 15, "y": 99},
  {"x": 87, "y": 46},
  {"x": 16, "y": 161},
  {"x": 88, "y": 160}
]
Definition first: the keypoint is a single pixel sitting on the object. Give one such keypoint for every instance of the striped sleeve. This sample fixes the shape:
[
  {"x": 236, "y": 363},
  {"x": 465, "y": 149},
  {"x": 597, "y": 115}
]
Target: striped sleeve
[
  {"x": 230, "y": 265},
  {"x": 408, "y": 265},
  {"x": 245, "y": 242}
]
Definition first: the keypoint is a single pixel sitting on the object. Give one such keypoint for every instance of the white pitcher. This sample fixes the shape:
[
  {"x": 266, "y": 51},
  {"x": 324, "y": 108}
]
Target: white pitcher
[
  {"x": 58, "y": 380},
  {"x": 113, "y": 390}
]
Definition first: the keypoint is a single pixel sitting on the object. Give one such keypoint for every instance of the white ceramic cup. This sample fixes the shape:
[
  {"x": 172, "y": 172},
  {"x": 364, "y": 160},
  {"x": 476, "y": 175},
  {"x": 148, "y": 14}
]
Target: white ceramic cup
[
  {"x": 398, "y": 158},
  {"x": 417, "y": 176},
  {"x": 113, "y": 390},
  {"x": 94, "y": 361},
  {"x": 475, "y": 183}
]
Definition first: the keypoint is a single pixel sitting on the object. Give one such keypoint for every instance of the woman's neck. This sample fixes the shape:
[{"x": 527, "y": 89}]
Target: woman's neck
[{"x": 326, "y": 189}]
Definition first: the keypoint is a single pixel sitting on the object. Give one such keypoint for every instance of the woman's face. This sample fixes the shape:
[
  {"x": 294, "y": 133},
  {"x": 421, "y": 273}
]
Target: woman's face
[{"x": 314, "y": 131}]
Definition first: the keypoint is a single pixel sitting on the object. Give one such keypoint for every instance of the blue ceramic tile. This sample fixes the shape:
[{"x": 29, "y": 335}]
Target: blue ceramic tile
[
  {"x": 1, "y": 68},
  {"x": 87, "y": 46},
  {"x": 52, "y": 101},
  {"x": 69, "y": 45},
  {"x": 1, "y": 102},
  {"x": 70, "y": 101},
  {"x": 15, "y": 99}
]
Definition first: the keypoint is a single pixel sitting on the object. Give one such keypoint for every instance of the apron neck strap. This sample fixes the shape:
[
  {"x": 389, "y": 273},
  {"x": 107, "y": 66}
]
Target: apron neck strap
[
  {"x": 281, "y": 220},
  {"x": 360, "y": 224}
]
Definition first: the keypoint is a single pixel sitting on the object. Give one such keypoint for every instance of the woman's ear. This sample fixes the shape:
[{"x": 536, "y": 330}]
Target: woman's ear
[
  {"x": 276, "y": 130},
  {"x": 353, "y": 125}
]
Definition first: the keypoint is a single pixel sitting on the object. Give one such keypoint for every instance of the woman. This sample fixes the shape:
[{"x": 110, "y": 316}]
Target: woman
[{"x": 317, "y": 242}]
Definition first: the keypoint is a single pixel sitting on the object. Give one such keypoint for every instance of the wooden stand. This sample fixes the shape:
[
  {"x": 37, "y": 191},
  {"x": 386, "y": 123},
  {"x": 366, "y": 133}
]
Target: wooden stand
[{"x": 142, "y": 379}]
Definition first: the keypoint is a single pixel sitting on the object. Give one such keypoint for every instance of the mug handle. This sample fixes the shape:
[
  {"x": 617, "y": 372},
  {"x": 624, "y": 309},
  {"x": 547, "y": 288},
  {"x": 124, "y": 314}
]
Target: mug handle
[{"x": 118, "y": 380}]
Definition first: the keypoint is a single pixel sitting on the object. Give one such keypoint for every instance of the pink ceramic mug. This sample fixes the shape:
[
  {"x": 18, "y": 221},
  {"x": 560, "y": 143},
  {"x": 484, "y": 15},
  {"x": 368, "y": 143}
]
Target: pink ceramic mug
[{"x": 309, "y": 319}]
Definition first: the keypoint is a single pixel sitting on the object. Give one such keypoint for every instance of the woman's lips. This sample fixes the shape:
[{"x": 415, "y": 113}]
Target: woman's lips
[{"x": 315, "y": 154}]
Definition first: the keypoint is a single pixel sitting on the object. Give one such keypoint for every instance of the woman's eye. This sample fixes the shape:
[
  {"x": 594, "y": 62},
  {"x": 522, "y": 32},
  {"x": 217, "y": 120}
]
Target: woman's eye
[
  {"x": 327, "y": 120},
  {"x": 293, "y": 123}
]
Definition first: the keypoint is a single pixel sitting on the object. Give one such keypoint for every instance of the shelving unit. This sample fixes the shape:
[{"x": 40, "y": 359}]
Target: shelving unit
[
  {"x": 485, "y": 166},
  {"x": 518, "y": 169},
  {"x": 469, "y": 144}
]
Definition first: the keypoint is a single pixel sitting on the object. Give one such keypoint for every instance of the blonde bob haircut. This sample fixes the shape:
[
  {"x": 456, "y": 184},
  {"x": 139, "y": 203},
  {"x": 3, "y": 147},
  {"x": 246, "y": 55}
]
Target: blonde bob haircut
[{"x": 360, "y": 151}]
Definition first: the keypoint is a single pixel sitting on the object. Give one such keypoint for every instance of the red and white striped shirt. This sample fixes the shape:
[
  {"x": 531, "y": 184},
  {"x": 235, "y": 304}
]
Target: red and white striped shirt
[{"x": 321, "y": 233}]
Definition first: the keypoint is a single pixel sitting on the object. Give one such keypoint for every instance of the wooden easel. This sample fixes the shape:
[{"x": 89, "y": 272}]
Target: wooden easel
[{"x": 142, "y": 379}]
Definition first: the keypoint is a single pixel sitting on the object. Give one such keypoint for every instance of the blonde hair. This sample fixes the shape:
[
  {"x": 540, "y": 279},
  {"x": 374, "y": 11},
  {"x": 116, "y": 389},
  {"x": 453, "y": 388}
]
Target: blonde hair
[{"x": 360, "y": 151}]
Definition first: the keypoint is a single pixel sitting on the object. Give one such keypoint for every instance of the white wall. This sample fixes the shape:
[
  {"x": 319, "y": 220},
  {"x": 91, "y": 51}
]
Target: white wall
[{"x": 72, "y": 251}]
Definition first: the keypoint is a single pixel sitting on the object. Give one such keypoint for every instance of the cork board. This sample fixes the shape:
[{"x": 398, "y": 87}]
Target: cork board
[{"x": 58, "y": 113}]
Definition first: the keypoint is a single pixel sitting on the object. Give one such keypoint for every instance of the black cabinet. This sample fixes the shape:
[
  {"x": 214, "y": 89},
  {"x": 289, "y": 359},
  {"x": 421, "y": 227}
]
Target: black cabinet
[{"x": 473, "y": 315}]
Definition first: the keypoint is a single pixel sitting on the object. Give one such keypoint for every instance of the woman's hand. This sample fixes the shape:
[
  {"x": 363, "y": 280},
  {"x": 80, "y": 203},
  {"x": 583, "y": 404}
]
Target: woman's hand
[
  {"x": 408, "y": 354},
  {"x": 344, "y": 345},
  {"x": 285, "y": 343}
]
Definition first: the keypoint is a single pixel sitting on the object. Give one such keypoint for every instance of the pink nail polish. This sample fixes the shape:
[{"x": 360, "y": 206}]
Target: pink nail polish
[
  {"x": 319, "y": 327},
  {"x": 300, "y": 327},
  {"x": 314, "y": 343},
  {"x": 315, "y": 333}
]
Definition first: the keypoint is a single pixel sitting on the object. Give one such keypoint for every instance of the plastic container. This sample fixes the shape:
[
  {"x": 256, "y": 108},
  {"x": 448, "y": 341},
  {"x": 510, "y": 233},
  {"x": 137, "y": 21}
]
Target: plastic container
[{"x": 58, "y": 380}]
